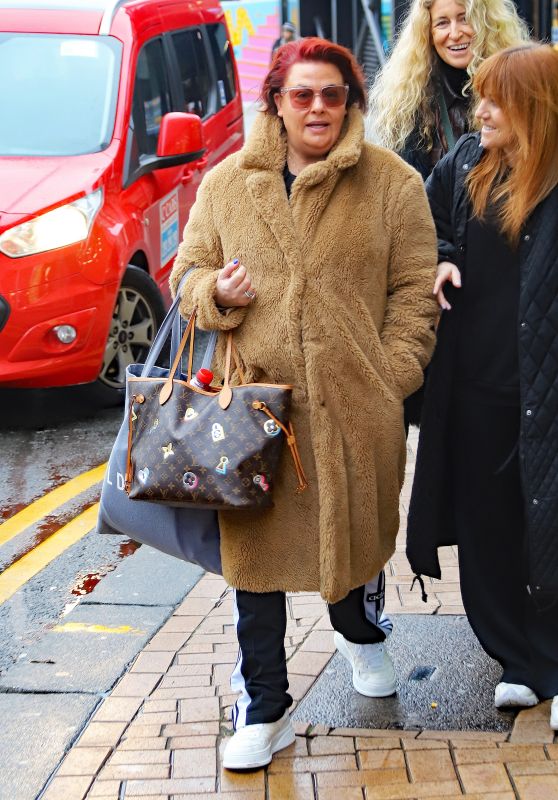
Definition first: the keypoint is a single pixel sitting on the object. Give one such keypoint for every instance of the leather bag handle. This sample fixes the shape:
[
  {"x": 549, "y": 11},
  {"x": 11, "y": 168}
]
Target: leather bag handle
[
  {"x": 171, "y": 325},
  {"x": 225, "y": 395},
  {"x": 163, "y": 332},
  {"x": 166, "y": 391}
]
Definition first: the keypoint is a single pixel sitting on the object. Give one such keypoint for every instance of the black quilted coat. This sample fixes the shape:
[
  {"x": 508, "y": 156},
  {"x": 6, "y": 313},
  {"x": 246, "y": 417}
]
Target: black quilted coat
[{"x": 430, "y": 525}]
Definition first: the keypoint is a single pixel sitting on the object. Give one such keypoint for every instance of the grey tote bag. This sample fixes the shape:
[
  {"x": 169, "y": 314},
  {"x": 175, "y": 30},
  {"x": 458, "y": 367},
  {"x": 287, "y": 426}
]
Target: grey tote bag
[{"x": 190, "y": 534}]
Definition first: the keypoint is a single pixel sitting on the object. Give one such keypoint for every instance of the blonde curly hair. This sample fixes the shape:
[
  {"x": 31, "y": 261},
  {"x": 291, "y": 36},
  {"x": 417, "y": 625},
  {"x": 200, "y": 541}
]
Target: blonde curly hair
[{"x": 401, "y": 98}]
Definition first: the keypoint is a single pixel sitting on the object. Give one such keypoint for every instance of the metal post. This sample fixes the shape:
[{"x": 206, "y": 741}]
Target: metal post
[
  {"x": 354, "y": 25},
  {"x": 375, "y": 33},
  {"x": 319, "y": 27},
  {"x": 334, "y": 20},
  {"x": 360, "y": 39}
]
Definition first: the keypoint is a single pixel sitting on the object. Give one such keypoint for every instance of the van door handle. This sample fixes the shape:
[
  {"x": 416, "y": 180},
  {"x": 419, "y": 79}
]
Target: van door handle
[
  {"x": 202, "y": 163},
  {"x": 187, "y": 176}
]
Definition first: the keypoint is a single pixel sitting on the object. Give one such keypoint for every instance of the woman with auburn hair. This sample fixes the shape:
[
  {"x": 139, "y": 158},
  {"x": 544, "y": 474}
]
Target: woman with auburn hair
[
  {"x": 487, "y": 465},
  {"x": 420, "y": 101},
  {"x": 329, "y": 251}
]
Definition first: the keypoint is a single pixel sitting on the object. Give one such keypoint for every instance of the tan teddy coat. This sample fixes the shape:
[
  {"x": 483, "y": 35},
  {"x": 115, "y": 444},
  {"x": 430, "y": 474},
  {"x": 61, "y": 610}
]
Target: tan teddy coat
[{"x": 344, "y": 311}]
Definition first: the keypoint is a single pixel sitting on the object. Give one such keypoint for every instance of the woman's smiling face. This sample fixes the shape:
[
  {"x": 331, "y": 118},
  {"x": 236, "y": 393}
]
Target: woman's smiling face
[
  {"x": 452, "y": 35},
  {"x": 497, "y": 131}
]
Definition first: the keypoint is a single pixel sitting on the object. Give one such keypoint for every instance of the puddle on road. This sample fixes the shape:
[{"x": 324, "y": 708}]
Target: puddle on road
[
  {"x": 9, "y": 511},
  {"x": 53, "y": 523},
  {"x": 50, "y": 525},
  {"x": 86, "y": 583}
]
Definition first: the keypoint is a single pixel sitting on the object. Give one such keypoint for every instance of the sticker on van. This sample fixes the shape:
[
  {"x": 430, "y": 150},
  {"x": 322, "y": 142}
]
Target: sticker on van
[{"x": 168, "y": 216}]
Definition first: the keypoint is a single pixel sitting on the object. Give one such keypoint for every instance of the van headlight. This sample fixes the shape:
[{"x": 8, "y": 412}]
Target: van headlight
[{"x": 57, "y": 228}]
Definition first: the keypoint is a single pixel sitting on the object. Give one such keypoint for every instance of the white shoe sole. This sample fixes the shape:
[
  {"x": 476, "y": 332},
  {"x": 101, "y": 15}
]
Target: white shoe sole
[
  {"x": 516, "y": 699},
  {"x": 382, "y": 690},
  {"x": 554, "y": 716},
  {"x": 260, "y": 758}
]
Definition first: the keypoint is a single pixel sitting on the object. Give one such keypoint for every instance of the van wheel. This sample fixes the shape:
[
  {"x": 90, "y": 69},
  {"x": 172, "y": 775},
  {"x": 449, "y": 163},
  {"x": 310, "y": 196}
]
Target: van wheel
[{"x": 137, "y": 314}]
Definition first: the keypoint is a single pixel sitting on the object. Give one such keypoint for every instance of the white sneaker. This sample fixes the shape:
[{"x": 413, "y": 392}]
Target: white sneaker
[
  {"x": 253, "y": 745},
  {"x": 373, "y": 672},
  {"x": 554, "y": 714},
  {"x": 507, "y": 695}
]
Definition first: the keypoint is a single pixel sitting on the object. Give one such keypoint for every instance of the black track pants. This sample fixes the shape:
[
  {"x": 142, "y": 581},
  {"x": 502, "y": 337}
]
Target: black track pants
[
  {"x": 260, "y": 674},
  {"x": 488, "y": 507}
]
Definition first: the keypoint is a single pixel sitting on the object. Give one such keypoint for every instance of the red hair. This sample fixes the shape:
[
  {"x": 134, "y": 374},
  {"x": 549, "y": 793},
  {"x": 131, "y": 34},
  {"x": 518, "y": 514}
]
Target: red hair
[
  {"x": 313, "y": 49},
  {"x": 523, "y": 82}
]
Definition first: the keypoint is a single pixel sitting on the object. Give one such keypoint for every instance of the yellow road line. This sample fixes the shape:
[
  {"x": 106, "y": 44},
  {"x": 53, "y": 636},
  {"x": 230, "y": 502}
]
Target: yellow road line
[
  {"x": 91, "y": 627},
  {"x": 49, "y": 502},
  {"x": 29, "y": 565}
]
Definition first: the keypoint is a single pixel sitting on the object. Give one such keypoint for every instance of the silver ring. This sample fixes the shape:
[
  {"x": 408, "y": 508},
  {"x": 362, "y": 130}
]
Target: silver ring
[{"x": 250, "y": 295}]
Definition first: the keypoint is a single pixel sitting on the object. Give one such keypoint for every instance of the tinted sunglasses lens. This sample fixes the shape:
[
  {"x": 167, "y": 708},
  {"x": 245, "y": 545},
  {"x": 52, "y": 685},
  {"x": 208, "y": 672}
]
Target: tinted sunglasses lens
[
  {"x": 301, "y": 98},
  {"x": 334, "y": 96}
]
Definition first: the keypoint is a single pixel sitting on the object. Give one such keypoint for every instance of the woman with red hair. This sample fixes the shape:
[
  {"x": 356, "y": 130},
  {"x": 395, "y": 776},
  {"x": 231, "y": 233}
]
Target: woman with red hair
[
  {"x": 329, "y": 253},
  {"x": 487, "y": 464}
]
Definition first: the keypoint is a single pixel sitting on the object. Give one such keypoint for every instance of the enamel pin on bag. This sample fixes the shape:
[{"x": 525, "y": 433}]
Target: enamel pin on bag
[{"x": 216, "y": 449}]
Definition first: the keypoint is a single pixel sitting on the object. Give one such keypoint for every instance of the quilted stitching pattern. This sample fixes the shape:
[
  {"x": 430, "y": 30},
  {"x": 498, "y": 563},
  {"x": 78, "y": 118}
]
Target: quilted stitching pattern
[{"x": 538, "y": 348}]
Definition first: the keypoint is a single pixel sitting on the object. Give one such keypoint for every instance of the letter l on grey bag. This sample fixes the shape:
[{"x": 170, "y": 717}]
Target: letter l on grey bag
[{"x": 191, "y": 534}]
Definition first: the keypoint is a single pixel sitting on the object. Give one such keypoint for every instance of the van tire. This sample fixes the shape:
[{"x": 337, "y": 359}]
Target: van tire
[{"x": 138, "y": 312}]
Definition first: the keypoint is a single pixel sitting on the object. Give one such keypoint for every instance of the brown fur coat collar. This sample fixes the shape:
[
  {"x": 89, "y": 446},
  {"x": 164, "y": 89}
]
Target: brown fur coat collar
[{"x": 266, "y": 148}]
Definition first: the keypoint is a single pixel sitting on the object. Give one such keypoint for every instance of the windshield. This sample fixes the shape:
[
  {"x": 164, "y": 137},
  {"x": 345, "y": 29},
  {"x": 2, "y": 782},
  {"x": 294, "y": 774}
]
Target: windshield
[{"x": 58, "y": 94}]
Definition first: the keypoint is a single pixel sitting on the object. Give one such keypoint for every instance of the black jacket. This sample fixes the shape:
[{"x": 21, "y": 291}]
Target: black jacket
[
  {"x": 415, "y": 154},
  {"x": 414, "y": 151},
  {"x": 430, "y": 525}
]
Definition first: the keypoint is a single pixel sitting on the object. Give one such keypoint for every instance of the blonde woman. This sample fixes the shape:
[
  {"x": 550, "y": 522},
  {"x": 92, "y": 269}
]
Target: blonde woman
[
  {"x": 487, "y": 464},
  {"x": 419, "y": 104}
]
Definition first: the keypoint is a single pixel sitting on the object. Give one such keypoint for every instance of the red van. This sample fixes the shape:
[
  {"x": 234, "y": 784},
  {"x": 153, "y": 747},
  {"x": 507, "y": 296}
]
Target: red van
[{"x": 111, "y": 112}]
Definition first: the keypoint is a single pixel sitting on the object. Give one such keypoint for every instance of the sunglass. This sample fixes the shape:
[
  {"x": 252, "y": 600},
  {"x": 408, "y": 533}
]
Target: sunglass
[{"x": 302, "y": 97}]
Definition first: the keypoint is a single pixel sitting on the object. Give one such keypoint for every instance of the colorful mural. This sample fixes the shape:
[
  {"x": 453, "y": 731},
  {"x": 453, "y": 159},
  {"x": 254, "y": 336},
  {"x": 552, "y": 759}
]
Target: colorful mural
[
  {"x": 254, "y": 26},
  {"x": 293, "y": 7},
  {"x": 386, "y": 22}
]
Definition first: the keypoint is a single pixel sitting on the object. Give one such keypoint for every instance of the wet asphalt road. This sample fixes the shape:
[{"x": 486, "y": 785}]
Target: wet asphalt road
[{"x": 47, "y": 438}]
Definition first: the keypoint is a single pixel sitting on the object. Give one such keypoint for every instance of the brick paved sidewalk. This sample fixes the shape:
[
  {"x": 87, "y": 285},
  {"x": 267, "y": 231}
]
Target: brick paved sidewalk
[{"x": 161, "y": 732}]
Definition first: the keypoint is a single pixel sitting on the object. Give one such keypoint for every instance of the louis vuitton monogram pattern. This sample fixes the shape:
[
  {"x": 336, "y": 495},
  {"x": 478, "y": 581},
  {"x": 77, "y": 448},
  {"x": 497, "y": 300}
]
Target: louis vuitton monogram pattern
[{"x": 190, "y": 451}]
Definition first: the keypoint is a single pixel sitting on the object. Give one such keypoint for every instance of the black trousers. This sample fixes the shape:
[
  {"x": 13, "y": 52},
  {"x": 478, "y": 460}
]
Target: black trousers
[
  {"x": 489, "y": 517},
  {"x": 260, "y": 674}
]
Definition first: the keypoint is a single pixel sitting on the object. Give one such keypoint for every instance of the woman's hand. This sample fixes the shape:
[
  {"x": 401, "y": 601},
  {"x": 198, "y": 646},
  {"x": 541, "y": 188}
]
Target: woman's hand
[
  {"x": 446, "y": 272},
  {"x": 234, "y": 286}
]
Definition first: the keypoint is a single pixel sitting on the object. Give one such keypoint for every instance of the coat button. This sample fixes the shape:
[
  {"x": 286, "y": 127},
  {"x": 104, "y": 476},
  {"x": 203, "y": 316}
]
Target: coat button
[
  {"x": 526, "y": 238},
  {"x": 529, "y": 413},
  {"x": 523, "y": 324},
  {"x": 535, "y": 501},
  {"x": 466, "y": 166}
]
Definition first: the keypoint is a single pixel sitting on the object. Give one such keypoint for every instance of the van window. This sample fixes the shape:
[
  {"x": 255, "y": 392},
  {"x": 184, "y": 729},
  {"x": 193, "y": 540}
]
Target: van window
[
  {"x": 195, "y": 72},
  {"x": 58, "y": 94},
  {"x": 151, "y": 100},
  {"x": 221, "y": 50}
]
